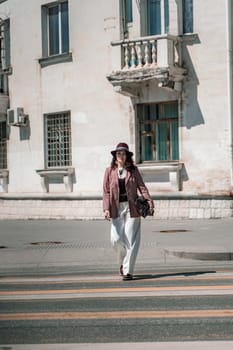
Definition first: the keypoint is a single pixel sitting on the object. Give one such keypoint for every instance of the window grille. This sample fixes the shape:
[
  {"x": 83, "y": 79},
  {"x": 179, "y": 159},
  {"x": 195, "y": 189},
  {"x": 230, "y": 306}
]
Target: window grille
[
  {"x": 3, "y": 145},
  {"x": 5, "y": 45},
  {"x": 58, "y": 140},
  {"x": 158, "y": 131}
]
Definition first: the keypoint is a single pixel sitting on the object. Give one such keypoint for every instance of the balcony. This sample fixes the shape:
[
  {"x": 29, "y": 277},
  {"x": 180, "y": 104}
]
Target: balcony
[{"x": 156, "y": 57}]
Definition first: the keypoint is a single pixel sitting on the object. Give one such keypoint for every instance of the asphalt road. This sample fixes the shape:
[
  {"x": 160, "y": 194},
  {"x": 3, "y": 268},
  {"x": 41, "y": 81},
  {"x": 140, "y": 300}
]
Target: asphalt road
[
  {"x": 59, "y": 288},
  {"x": 157, "y": 307}
]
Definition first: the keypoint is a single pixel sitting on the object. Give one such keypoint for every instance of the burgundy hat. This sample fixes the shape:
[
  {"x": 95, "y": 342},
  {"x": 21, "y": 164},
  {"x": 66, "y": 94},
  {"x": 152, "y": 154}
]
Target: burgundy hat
[{"x": 122, "y": 147}]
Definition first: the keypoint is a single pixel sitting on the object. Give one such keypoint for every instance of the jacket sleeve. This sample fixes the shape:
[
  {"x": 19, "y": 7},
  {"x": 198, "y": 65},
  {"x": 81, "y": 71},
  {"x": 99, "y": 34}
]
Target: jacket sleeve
[
  {"x": 106, "y": 191},
  {"x": 143, "y": 189}
]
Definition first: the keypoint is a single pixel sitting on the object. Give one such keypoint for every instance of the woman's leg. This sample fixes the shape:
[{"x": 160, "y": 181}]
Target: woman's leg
[
  {"x": 118, "y": 238},
  {"x": 133, "y": 235}
]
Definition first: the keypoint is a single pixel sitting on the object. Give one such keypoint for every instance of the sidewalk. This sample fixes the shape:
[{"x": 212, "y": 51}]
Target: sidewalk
[
  {"x": 206, "y": 345},
  {"x": 46, "y": 247}
]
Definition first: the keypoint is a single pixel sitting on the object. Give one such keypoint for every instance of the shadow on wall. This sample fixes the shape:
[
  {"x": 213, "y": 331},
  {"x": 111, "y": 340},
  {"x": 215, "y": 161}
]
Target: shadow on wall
[
  {"x": 25, "y": 132},
  {"x": 192, "y": 114}
]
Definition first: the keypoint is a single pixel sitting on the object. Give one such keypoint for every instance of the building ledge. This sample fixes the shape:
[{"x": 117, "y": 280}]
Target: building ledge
[
  {"x": 48, "y": 61},
  {"x": 66, "y": 173},
  {"x": 4, "y": 173},
  {"x": 174, "y": 170},
  {"x": 77, "y": 197}
]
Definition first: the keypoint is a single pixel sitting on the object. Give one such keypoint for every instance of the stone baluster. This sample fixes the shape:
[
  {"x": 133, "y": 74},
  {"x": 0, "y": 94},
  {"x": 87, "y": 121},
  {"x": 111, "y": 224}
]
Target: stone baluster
[
  {"x": 133, "y": 57},
  {"x": 126, "y": 56},
  {"x": 147, "y": 58},
  {"x": 139, "y": 54},
  {"x": 154, "y": 52}
]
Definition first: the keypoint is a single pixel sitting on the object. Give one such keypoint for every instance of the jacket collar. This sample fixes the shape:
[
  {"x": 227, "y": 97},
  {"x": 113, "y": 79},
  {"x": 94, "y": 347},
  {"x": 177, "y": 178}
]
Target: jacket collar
[{"x": 115, "y": 171}]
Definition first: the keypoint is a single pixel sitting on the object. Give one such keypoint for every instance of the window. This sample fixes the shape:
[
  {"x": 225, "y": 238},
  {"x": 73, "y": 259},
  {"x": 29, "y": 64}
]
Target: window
[
  {"x": 128, "y": 10},
  {"x": 55, "y": 29},
  {"x": 3, "y": 145},
  {"x": 126, "y": 15},
  {"x": 157, "y": 23},
  {"x": 5, "y": 45},
  {"x": 158, "y": 131},
  {"x": 57, "y": 140},
  {"x": 187, "y": 16}
]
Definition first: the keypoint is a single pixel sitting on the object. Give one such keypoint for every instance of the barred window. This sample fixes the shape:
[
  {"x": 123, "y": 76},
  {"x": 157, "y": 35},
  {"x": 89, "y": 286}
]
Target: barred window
[
  {"x": 58, "y": 140},
  {"x": 5, "y": 45},
  {"x": 158, "y": 131},
  {"x": 3, "y": 145}
]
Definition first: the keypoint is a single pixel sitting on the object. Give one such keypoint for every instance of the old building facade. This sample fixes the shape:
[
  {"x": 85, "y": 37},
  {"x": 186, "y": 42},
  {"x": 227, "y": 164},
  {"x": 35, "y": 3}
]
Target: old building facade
[{"x": 77, "y": 77}]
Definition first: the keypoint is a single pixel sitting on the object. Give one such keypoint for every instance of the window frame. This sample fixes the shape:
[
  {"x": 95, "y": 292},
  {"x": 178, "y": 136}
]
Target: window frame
[
  {"x": 164, "y": 17},
  {"x": 185, "y": 21},
  {"x": 47, "y": 58},
  {"x": 5, "y": 49},
  {"x": 140, "y": 110},
  {"x": 46, "y": 143},
  {"x": 125, "y": 25}
]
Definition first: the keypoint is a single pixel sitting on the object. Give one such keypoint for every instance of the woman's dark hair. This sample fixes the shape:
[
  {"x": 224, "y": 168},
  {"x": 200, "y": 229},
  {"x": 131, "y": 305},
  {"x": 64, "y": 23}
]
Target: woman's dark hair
[{"x": 129, "y": 164}]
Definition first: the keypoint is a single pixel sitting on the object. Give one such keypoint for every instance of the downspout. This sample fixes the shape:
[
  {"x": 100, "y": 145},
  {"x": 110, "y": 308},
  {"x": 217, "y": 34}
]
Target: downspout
[{"x": 229, "y": 79}]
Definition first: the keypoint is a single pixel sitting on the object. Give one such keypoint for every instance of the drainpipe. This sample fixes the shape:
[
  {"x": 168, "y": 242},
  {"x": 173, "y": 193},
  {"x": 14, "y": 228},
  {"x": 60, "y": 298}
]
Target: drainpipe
[{"x": 229, "y": 78}]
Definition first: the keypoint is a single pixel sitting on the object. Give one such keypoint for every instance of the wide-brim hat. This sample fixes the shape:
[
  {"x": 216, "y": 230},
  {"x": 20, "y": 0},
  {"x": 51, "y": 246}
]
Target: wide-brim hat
[{"x": 122, "y": 147}]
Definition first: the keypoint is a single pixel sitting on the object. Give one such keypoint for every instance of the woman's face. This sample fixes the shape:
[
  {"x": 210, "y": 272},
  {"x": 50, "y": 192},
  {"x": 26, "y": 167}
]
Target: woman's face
[{"x": 121, "y": 157}]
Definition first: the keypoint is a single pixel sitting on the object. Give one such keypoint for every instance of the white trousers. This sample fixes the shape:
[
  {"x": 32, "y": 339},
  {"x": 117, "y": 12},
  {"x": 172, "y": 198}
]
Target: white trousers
[{"x": 125, "y": 237}]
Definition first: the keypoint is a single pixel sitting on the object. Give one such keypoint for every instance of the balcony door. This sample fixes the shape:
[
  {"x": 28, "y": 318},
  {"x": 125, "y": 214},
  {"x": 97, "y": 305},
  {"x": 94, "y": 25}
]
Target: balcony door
[{"x": 154, "y": 17}]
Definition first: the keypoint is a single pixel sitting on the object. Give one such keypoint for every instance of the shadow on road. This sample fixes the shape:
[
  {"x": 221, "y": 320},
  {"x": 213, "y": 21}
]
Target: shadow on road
[{"x": 186, "y": 274}]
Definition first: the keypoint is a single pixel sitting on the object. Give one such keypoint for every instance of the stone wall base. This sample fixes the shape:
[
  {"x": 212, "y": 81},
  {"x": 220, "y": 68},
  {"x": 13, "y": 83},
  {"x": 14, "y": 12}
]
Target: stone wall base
[{"x": 92, "y": 209}]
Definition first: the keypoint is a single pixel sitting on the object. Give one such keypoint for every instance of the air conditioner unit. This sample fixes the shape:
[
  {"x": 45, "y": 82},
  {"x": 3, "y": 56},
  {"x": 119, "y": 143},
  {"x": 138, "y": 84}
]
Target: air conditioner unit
[{"x": 17, "y": 118}]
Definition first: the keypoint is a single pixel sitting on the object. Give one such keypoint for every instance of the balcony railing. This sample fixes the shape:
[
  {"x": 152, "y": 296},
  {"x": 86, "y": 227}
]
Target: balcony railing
[
  {"x": 157, "y": 56},
  {"x": 151, "y": 51}
]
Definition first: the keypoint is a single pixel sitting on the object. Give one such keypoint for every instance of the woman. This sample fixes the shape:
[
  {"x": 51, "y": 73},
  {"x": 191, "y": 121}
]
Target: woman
[{"x": 122, "y": 181}]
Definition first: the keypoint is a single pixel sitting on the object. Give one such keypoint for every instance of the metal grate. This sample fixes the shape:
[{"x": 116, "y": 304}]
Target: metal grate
[
  {"x": 58, "y": 140},
  {"x": 3, "y": 146}
]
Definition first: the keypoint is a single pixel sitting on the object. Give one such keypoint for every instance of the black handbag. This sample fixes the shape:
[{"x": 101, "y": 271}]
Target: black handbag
[{"x": 142, "y": 206}]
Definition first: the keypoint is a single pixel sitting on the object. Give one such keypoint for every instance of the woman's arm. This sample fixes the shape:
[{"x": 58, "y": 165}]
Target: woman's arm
[
  {"x": 106, "y": 194},
  {"x": 143, "y": 189}
]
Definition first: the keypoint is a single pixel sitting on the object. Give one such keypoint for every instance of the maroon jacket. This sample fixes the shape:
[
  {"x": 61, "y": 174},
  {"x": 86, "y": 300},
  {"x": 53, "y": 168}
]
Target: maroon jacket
[{"x": 133, "y": 182}]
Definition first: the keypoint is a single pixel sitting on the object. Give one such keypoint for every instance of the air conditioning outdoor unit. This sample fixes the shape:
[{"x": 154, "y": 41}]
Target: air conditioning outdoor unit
[{"x": 17, "y": 117}]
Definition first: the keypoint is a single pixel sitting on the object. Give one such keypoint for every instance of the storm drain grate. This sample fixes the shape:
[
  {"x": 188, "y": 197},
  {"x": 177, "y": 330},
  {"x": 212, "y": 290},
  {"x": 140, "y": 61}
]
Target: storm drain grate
[
  {"x": 173, "y": 231},
  {"x": 45, "y": 243}
]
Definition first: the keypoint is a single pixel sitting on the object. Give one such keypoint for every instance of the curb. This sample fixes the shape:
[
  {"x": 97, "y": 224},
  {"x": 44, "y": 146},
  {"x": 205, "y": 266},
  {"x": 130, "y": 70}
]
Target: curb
[{"x": 204, "y": 255}]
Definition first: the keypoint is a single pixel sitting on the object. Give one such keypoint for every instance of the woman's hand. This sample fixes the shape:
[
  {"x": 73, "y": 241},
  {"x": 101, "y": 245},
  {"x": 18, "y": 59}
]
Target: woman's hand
[
  {"x": 107, "y": 215},
  {"x": 152, "y": 211}
]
